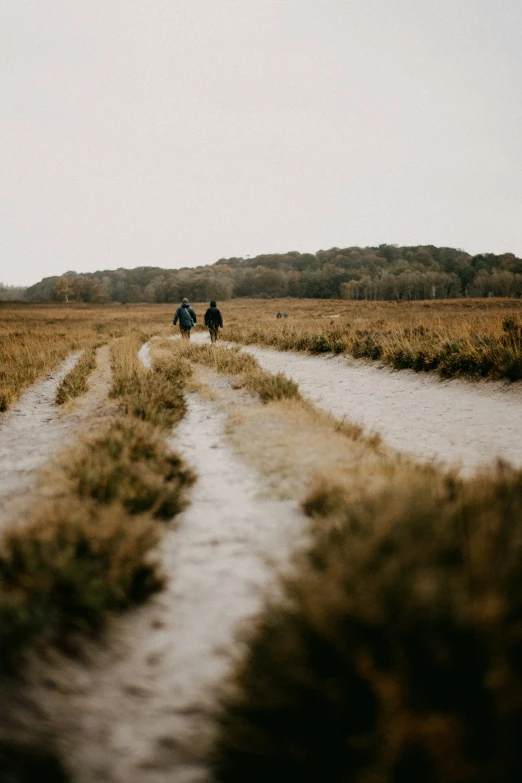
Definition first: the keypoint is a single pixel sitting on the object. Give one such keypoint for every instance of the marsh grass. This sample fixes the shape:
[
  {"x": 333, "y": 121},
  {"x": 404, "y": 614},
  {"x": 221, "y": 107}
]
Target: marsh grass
[
  {"x": 474, "y": 338},
  {"x": 75, "y": 382},
  {"x": 394, "y": 653},
  {"x": 34, "y": 339},
  {"x": 468, "y": 338}
]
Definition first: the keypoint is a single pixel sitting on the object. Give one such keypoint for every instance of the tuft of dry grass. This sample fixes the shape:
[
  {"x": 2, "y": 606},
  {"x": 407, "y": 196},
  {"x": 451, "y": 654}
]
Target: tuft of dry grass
[
  {"x": 230, "y": 361},
  {"x": 130, "y": 463},
  {"x": 75, "y": 382},
  {"x": 394, "y": 654},
  {"x": 271, "y": 387},
  {"x": 65, "y": 570},
  {"x": 153, "y": 395}
]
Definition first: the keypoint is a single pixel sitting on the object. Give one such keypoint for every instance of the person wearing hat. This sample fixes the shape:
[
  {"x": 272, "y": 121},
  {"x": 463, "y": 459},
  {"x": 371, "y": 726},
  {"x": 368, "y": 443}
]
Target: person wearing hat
[
  {"x": 214, "y": 320},
  {"x": 186, "y": 317}
]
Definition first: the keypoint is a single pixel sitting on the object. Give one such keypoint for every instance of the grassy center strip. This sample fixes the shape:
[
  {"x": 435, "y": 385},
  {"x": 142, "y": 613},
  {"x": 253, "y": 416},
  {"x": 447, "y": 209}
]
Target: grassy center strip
[
  {"x": 90, "y": 550},
  {"x": 229, "y": 360},
  {"x": 75, "y": 382}
]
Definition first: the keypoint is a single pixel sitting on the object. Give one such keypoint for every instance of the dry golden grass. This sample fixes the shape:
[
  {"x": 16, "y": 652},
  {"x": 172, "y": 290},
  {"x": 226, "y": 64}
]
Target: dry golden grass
[
  {"x": 153, "y": 395},
  {"x": 228, "y": 360},
  {"x": 36, "y": 338},
  {"x": 130, "y": 463},
  {"x": 75, "y": 382},
  {"x": 67, "y": 568},
  {"x": 476, "y": 338},
  {"x": 394, "y": 654},
  {"x": 467, "y": 337}
]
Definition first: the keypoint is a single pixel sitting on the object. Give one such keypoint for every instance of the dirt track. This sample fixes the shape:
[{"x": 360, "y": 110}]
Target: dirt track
[
  {"x": 454, "y": 422},
  {"x": 35, "y": 429}
]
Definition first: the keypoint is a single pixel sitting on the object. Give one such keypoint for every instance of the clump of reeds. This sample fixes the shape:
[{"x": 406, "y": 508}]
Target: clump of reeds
[
  {"x": 271, "y": 387},
  {"x": 219, "y": 358},
  {"x": 395, "y": 652},
  {"x": 75, "y": 382}
]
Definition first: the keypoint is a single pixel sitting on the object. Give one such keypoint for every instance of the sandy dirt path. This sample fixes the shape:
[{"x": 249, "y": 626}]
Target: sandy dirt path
[
  {"x": 36, "y": 429},
  {"x": 138, "y": 710},
  {"x": 455, "y": 422}
]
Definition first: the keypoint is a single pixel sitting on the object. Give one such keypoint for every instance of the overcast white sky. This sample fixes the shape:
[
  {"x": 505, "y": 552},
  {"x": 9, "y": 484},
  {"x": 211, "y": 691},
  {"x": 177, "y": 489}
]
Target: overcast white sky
[{"x": 176, "y": 132}]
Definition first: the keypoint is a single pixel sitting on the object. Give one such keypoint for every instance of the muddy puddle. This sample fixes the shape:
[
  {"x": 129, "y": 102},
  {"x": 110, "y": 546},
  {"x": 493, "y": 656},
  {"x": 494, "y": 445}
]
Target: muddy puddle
[{"x": 455, "y": 422}]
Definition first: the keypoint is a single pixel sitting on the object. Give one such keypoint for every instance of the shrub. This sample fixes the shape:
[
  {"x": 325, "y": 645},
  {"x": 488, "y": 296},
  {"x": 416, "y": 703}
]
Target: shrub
[
  {"x": 395, "y": 653},
  {"x": 272, "y": 387}
]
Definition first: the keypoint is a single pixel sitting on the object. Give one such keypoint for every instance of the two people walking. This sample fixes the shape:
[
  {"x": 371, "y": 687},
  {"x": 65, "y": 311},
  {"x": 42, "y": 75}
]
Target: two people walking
[{"x": 187, "y": 318}]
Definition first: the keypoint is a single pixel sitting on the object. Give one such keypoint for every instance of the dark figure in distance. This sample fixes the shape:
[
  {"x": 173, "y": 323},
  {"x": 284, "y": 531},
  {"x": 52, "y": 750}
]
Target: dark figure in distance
[
  {"x": 213, "y": 320},
  {"x": 186, "y": 317},
  {"x": 279, "y": 315}
]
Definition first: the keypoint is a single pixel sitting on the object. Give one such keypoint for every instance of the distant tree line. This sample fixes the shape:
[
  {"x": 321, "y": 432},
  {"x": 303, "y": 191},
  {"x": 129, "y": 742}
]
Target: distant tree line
[
  {"x": 385, "y": 272},
  {"x": 11, "y": 293}
]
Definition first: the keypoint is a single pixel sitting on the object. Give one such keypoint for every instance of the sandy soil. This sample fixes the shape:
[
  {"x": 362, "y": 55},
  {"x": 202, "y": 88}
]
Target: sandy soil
[
  {"x": 459, "y": 422},
  {"x": 36, "y": 429}
]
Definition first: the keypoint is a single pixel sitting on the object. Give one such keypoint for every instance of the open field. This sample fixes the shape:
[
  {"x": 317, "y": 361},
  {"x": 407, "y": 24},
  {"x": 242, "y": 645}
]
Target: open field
[
  {"x": 34, "y": 339},
  {"x": 377, "y": 598},
  {"x": 471, "y": 337},
  {"x": 467, "y": 337}
]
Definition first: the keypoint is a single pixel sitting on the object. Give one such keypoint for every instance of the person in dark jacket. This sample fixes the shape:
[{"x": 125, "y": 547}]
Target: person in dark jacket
[
  {"x": 186, "y": 317},
  {"x": 214, "y": 320}
]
